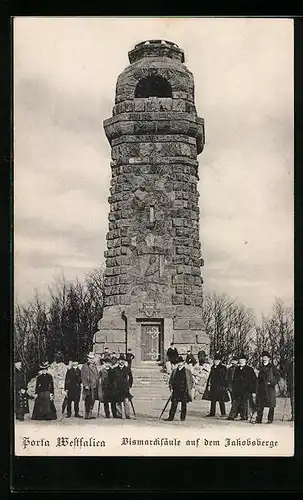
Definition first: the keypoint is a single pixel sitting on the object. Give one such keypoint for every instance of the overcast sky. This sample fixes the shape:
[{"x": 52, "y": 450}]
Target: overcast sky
[{"x": 65, "y": 76}]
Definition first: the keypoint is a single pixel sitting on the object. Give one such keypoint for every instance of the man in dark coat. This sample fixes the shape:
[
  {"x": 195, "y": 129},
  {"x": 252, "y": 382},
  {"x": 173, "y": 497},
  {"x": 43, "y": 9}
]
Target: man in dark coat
[
  {"x": 89, "y": 377},
  {"x": 190, "y": 358},
  {"x": 290, "y": 387},
  {"x": 172, "y": 354},
  {"x": 181, "y": 384},
  {"x": 268, "y": 378},
  {"x": 44, "y": 407},
  {"x": 21, "y": 396},
  {"x": 72, "y": 386},
  {"x": 129, "y": 357},
  {"x": 243, "y": 386},
  {"x": 217, "y": 386},
  {"x": 104, "y": 388},
  {"x": 122, "y": 381},
  {"x": 230, "y": 374}
]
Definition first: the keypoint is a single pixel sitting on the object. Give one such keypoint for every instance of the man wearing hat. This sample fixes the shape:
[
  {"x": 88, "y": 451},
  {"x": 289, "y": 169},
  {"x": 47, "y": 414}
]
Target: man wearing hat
[
  {"x": 72, "y": 387},
  {"x": 21, "y": 396},
  {"x": 243, "y": 385},
  {"x": 181, "y": 385},
  {"x": 122, "y": 381},
  {"x": 230, "y": 374},
  {"x": 190, "y": 358},
  {"x": 89, "y": 377},
  {"x": 172, "y": 356},
  {"x": 217, "y": 386},
  {"x": 268, "y": 377},
  {"x": 104, "y": 389},
  {"x": 44, "y": 408}
]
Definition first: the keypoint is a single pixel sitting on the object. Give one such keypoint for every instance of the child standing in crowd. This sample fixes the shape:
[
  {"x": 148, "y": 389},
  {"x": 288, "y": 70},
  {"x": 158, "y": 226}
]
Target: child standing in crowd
[{"x": 21, "y": 396}]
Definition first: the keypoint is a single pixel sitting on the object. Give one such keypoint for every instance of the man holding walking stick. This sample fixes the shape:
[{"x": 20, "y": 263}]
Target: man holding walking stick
[
  {"x": 268, "y": 377},
  {"x": 180, "y": 384}
]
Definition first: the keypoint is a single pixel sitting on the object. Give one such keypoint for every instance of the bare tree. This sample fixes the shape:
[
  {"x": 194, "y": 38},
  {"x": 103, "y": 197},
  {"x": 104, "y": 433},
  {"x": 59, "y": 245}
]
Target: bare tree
[
  {"x": 65, "y": 323},
  {"x": 228, "y": 324},
  {"x": 276, "y": 335},
  {"x": 22, "y": 331},
  {"x": 75, "y": 310}
]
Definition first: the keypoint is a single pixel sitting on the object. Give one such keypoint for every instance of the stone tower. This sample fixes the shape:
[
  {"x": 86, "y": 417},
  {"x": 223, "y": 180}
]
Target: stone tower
[{"x": 153, "y": 283}]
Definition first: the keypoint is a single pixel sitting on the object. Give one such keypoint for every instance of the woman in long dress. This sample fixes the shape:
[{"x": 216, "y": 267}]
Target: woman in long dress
[{"x": 44, "y": 408}]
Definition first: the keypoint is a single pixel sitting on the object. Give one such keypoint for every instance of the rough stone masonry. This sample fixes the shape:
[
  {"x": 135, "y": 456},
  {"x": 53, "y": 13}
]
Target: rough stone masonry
[{"x": 153, "y": 283}]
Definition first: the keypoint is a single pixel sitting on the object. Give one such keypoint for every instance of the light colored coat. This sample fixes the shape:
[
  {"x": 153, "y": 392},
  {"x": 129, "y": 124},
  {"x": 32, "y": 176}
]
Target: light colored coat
[{"x": 89, "y": 377}]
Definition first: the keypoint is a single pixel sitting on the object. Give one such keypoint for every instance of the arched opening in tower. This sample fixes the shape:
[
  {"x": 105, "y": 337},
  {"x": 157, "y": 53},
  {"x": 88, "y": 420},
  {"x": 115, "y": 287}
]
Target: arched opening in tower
[{"x": 153, "y": 86}]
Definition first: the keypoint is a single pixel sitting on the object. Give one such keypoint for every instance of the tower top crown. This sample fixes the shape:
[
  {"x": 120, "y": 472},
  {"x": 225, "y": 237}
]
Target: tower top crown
[{"x": 156, "y": 48}]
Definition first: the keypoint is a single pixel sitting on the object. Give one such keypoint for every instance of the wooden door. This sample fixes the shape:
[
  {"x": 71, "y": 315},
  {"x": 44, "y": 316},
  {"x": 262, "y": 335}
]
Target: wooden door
[{"x": 150, "y": 342}]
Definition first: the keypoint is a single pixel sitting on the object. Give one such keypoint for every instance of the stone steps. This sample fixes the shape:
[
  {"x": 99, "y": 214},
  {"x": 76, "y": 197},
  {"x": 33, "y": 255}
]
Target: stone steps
[
  {"x": 148, "y": 380},
  {"x": 149, "y": 384}
]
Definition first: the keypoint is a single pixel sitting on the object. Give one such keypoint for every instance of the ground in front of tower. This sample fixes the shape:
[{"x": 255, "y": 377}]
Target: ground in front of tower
[{"x": 147, "y": 413}]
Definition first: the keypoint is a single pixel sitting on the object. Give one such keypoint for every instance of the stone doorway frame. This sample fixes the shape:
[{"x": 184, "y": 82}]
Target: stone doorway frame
[{"x": 151, "y": 321}]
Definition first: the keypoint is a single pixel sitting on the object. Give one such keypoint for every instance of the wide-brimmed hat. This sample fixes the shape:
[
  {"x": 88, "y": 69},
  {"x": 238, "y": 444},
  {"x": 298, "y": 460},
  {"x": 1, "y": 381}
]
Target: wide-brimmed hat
[
  {"x": 114, "y": 359},
  {"x": 44, "y": 365},
  {"x": 242, "y": 355},
  {"x": 90, "y": 355},
  {"x": 217, "y": 355},
  {"x": 265, "y": 353},
  {"x": 180, "y": 359},
  {"x": 107, "y": 360},
  {"x": 121, "y": 357}
]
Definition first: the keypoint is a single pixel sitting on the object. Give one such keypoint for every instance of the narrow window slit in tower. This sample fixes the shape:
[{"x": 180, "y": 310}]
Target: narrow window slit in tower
[{"x": 152, "y": 214}]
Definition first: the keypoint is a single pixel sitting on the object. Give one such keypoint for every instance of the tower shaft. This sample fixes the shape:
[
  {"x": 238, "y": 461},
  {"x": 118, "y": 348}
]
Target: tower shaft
[{"x": 153, "y": 283}]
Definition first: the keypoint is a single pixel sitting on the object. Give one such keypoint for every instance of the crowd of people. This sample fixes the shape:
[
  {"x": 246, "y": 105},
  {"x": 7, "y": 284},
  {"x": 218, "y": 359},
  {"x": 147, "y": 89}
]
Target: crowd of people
[
  {"x": 248, "y": 392},
  {"x": 108, "y": 379}
]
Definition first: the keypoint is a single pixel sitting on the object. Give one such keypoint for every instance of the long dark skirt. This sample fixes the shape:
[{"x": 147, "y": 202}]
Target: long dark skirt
[{"x": 44, "y": 408}]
